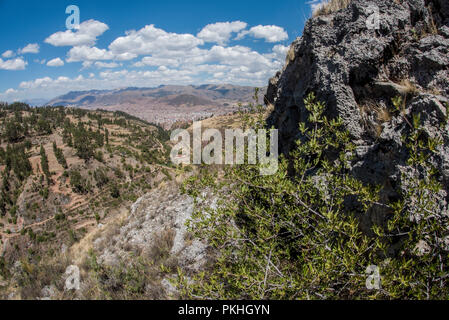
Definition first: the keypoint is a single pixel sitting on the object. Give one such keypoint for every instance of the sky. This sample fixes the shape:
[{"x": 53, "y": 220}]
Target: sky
[{"x": 142, "y": 43}]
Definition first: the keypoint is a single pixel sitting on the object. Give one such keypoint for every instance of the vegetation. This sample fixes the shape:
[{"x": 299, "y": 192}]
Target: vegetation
[
  {"x": 44, "y": 162},
  {"x": 78, "y": 183},
  {"x": 16, "y": 159},
  {"x": 42, "y": 204},
  {"x": 297, "y": 234},
  {"x": 59, "y": 156},
  {"x": 330, "y": 7}
]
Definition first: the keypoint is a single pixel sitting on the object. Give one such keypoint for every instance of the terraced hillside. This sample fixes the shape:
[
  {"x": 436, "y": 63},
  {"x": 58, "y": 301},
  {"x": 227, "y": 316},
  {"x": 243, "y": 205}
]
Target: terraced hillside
[{"x": 65, "y": 171}]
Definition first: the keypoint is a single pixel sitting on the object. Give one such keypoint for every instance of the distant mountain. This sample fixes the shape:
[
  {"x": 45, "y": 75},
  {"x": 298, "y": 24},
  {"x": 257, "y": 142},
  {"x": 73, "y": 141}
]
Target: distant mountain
[
  {"x": 164, "y": 104},
  {"x": 35, "y": 102}
]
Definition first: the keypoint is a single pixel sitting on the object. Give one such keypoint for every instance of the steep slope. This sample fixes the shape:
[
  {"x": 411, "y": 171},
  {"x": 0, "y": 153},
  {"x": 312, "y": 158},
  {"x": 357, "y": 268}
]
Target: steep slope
[
  {"x": 357, "y": 71},
  {"x": 66, "y": 171}
]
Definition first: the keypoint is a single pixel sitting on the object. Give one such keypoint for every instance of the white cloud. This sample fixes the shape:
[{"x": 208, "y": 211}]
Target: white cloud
[
  {"x": 168, "y": 58},
  {"x": 158, "y": 61},
  {"x": 150, "y": 39},
  {"x": 269, "y": 33},
  {"x": 8, "y": 54},
  {"x": 30, "y": 48},
  {"x": 86, "y": 35},
  {"x": 57, "y": 62},
  {"x": 316, "y": 5},
  {"x": 220, "y": 32},
  {"x": 279, "y": 52},
  {"x": 10, "y": 91},
  {"x": 40, "y": 82},
  {"x": 13, "y": 64},
  {"x": 85, "y": 53},
  {"x": 107, "y": 65},
  {"x": 237, "y": 56},
  {"x": 125, "y": 56},
  {"x": 87, "y": 64}
]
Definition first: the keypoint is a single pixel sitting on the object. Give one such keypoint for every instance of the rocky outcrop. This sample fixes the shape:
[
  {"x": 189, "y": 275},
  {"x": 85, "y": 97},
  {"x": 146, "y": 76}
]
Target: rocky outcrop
[
  {"x": 156, "y": 229},
  {"x": 357, "y": 70},
  {"x": 163, "y": 211}
]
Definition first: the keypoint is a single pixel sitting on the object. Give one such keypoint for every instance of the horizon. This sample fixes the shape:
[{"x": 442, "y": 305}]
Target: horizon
[
  {"x": 144, "y": 45},
  {"x": 41, "y": 102}
]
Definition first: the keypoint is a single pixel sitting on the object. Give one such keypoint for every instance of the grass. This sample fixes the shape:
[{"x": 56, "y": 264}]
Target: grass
[
  {"x": 409, "y": 87},
  {"x": 290, "y": 55},
  {"x": 373, "y": 116},
  {"x": 330, "y": 7}
]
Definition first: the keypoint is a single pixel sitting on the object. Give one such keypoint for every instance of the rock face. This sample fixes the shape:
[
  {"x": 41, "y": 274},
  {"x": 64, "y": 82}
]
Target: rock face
[
  {"x": 163, "y": 211},
  {"x": 155, "y": 227},
  {"x": 357, "y": 70}
]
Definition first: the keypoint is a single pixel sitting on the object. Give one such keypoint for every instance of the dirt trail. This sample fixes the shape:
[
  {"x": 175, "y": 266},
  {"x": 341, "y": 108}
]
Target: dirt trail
[{"x": 72, "y": 207}]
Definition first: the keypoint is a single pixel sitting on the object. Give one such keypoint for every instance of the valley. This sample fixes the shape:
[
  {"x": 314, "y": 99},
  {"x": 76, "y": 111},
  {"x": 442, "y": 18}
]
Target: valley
[
  {"x": 66, "y": 170},
  {"x": 164, "y": 105}
]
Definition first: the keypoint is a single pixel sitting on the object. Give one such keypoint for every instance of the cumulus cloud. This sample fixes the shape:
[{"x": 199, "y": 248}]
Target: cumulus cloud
[
  {"x": 269, "y": 33},
  {"x": 237, "y": 56},
  {"x": 86, "y": 35},
  {"x": 40, "y": 82},
  {"x": 13, "y": 64},
  {"x": 57, "y": 62},
  {"x": 87, "y": 64},
  {"x": 10, "y": 91},
  {"x": 110, "y": 65},
  {"x": 150, "y": 39},
  {"x": 218, "y": 59},
  {"x": 166, "y": 58},
  {"x": 125, "y": 56},
  {"x": 221, "y": 32},
  {"x": 86, "y": 53},
  {"x": 30, "y": 48},
  {"x": 158, "y": 61},
  {"x": 8, "y": 54},
  {"x": 280, "y": 52}
]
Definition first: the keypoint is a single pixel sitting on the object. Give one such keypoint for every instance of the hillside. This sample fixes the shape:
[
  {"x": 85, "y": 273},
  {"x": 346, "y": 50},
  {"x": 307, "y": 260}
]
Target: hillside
[
  {"x": 376, "y": 81},
  {"x": 65, "y": 171},
  {"x": 358, "y": 208},
  {"x": 164, "y": 105}
]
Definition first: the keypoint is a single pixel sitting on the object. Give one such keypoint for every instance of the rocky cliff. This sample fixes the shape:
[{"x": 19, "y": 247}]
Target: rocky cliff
[{"x": 356, "y": 70}]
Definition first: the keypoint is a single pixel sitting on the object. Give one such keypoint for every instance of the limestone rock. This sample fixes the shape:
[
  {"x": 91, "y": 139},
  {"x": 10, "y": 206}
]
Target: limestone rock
[{"x": 352, "y": 68}]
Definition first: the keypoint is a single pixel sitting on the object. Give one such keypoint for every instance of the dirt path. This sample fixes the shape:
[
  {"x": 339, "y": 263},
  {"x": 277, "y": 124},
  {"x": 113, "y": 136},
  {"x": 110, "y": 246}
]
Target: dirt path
[{"x": 7, "y": 236}]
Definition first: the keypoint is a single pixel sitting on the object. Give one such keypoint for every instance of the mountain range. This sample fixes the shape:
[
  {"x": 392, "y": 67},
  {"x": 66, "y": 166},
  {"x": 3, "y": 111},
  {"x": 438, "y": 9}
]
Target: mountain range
[{"x": 164, "y": 105}]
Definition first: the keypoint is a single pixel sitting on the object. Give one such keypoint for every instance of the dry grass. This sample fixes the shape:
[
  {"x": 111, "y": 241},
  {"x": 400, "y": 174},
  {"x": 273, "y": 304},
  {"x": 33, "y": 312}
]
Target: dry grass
[
  {"x": 161, "y": 246},
  {"x": 432, "y": 26},
  {"x": 373, "y": 116},
  {"x": 34, "y": 277},
  {"x": 290, "y": 55},
  {"x": 137, "y": 276},
  {"x": 79, "y": 251},
  {"x": 408, "y": 87},
  {"x": 330, "y": 7}
]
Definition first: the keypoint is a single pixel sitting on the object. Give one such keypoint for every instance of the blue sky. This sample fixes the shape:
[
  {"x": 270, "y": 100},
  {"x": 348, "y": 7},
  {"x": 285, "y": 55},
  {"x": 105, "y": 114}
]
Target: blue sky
[{"x": 142, "y": 43}]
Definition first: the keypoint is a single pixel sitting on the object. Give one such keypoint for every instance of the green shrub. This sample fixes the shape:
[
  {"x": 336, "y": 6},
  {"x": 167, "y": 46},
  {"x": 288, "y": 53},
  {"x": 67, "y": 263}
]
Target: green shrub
[
  {"x": 78, "y": 183},
  {"x": 296, "y": 234}
]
